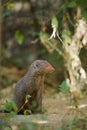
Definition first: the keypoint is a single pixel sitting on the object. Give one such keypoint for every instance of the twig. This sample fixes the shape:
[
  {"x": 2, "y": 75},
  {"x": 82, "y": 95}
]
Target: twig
[
  {"x": 60, "y": 38},
  {"x": 56, "y": 48}
]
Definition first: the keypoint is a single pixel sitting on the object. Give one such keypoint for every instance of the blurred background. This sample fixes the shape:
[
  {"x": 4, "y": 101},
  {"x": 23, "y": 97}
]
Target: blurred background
[{"x": 25, "y": 30}]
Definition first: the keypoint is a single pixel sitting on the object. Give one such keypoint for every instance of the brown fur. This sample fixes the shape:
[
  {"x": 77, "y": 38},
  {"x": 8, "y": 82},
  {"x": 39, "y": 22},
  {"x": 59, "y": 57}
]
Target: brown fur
[{"x": 32, "y": 84}]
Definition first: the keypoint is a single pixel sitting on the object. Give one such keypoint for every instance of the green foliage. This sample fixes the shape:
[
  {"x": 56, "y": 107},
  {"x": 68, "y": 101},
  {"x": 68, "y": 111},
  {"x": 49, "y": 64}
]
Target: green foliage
[
  {"x": 10, "y": 106},
  {"x": 54, "y": 22},
  {"x": 72, "y": 4},
  {"x": 33, "y": 34},
  {"x": 43, "y": 36},
  {"x": 64, "y": 87},
  {"x": 84, "y": 14},
  {"x": 19, "y": 37},
  {"x": 82, "y": 3},
  {"x": 66, "y": 35},
  {"x": 28, "y": 126},
  {"x": 27, "y": 112},
  {"x": 68, "y": 4},
  {"x": 75, "y": 4},
  {"x": 9, "y": 5}
]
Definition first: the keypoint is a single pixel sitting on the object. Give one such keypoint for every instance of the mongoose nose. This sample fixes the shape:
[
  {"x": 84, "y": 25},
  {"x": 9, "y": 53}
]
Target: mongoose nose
[{"x": 50, "y": 69}]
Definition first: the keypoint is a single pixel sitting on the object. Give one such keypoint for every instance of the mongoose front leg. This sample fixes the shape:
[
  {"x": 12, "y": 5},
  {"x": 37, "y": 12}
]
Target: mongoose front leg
[{"x": 39, "y": 100}]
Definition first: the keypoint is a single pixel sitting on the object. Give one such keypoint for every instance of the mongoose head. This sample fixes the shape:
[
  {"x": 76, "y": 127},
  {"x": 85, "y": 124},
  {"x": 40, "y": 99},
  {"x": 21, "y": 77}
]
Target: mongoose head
[{"x": 41, "y": 67}]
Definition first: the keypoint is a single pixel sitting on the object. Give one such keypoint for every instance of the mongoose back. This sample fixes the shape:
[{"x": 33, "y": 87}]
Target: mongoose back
[{"x": 32, "y": 84}]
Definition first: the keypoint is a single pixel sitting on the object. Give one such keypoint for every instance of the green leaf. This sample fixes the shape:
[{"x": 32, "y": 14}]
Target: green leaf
[
  {"x": 10, "y": 106},
  {"x": 9, "y": 5},
  {"x": 66, "y": 35},
  {"x": 19, "y": 37},
  {"x": 84, "y": 14},
  {"x": 54, "y": 22},
  {"x": 27, "y": 112},
  {"x": 72, "y": 4},
  {"x": 28, "y": 96},
  {"x": 82, "y": 3},
  {"x": 43, "y": 36},
  {"x": 64, "y": 87},
  {"x": 33, "y": 34}
]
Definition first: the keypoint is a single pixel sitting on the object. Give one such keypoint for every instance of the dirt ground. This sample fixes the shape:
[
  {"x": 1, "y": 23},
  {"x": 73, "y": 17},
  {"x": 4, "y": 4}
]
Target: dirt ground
[{"x": 57, "y": 108}]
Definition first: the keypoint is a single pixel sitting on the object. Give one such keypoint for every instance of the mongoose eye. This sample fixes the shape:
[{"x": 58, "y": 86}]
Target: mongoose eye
[{"x": 36, "y": 65}]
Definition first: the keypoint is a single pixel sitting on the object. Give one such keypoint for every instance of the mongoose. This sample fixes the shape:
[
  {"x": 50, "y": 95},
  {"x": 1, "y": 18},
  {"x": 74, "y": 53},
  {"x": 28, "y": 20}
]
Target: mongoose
[{"x": 32, "y": 84}]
